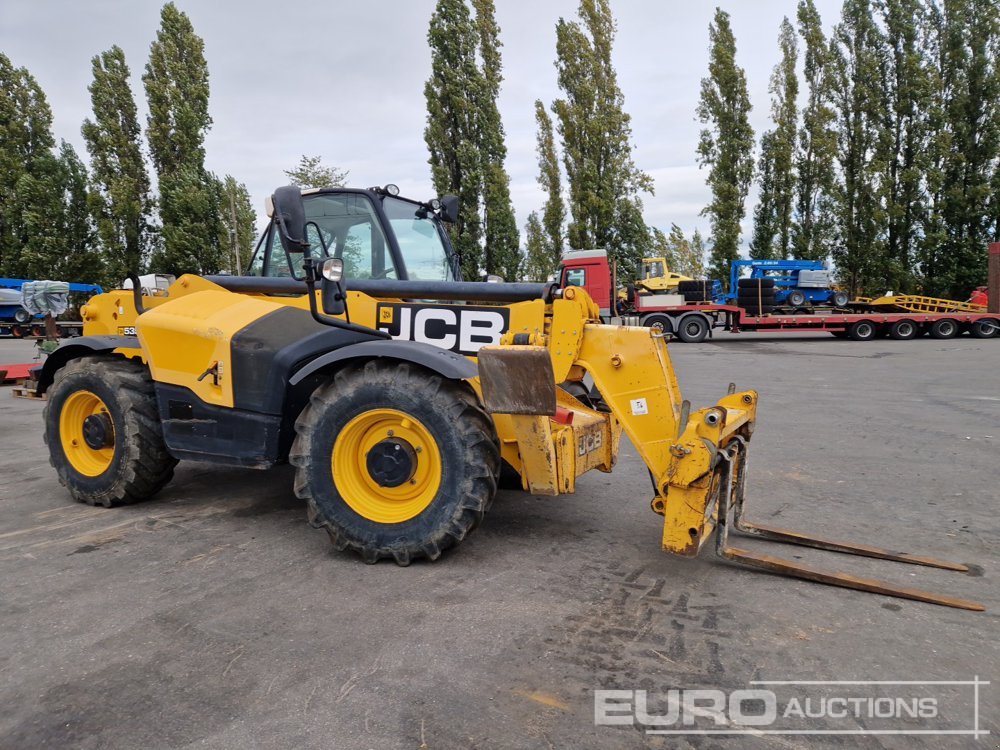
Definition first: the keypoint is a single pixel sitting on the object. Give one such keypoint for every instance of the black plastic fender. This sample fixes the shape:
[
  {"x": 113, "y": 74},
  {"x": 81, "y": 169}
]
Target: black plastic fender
[
  {"x": 442, "y": 361},
  {"x": 78, "y": 347}
]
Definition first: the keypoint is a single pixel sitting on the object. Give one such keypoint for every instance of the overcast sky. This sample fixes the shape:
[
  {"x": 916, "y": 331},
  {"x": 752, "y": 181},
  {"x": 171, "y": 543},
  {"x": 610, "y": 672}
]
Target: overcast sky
[{"x": 345, "y": 81}]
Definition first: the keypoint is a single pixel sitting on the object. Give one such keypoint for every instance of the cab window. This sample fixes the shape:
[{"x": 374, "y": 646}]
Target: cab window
[
  {"x": 575, "y": 277},
  {"x": 339, "y": 226}
]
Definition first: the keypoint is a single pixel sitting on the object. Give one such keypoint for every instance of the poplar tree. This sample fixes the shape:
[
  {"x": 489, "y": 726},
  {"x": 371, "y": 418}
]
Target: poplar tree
[
  {"x": 26, "y": 144},
  {"x": 60, "y": 237},
  {"x": 465, "y": 137},
  {"x": 726, "y": 144},
  {"x": 177, "y": 91},
  {"x": 596, "y": 134},
  {"x": 551, "y": 227},
  {"x": 860, "y": 103},
  {"x": 813, "y": 221},
  {"x": 905, "y": 138},
  {"x": 451, "y": 132},
  {"x": 239, "y": 222},
  {"x": 120, "y": 201},
  {"x": 537, "y": 261},
  {"x": 964, "y": 147},
  {"x": 502, "y": 253},
  {"x": 773, "y": 217}
]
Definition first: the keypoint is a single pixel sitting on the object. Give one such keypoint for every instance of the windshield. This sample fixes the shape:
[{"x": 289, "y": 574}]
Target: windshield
[
  {"x": 419, "y": 240},
  {"x": 653, "y": 270},
  {"x": 346, "y": 226}
]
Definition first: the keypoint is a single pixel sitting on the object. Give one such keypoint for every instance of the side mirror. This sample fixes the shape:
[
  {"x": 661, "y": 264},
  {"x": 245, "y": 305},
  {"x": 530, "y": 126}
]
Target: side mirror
[
  {"x": 290, "y": 217},
  {"x": 449, "y": 209},
  {"x": 334, "y": 299}
]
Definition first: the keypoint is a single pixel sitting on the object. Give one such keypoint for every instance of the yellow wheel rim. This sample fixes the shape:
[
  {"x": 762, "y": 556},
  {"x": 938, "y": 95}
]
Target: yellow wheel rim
[
  {"x": 384, "y": 430},
  {"x": 84, "y": 458}
]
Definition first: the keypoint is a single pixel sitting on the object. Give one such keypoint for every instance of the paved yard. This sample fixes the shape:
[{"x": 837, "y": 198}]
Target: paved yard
[{"x": 213, "y": 616}]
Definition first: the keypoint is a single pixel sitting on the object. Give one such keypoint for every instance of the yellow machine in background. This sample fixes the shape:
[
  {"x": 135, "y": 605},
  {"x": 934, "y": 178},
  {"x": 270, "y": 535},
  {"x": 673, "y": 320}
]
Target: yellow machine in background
[
  {"x": 657, "y": 278},
  {"x": 398, "y": 407}
]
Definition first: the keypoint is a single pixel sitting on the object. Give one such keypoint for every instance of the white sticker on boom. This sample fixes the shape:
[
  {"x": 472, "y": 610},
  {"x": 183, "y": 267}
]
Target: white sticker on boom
[{"x": 639, "y": 407}]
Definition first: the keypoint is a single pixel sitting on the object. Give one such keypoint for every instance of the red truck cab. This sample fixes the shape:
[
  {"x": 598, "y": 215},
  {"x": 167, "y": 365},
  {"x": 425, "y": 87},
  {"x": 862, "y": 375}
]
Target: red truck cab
[{"x": 589, "y": 269}]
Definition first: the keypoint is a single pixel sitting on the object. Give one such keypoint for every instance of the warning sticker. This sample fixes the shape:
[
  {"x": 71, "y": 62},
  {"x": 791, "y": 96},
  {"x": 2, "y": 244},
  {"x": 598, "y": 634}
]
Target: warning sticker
[{"x": 639, "y": 407}]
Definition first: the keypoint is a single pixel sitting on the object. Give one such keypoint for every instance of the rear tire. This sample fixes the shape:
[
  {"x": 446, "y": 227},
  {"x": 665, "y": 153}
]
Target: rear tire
[
  {"x": 693, "y": 329},
  {"x": 450, "y": 445},
  {"x": 945, "y": 328},
  {"x": 840, "y": 299},
  {"x": 796, "y": 299},
  {"x": 659, "y": 320},
  {"x": 863, "y": 330},
  {"x": 903, "y": 330},
  {"x": 104, "y": 434},
  {"x": 985, "y": 328}
]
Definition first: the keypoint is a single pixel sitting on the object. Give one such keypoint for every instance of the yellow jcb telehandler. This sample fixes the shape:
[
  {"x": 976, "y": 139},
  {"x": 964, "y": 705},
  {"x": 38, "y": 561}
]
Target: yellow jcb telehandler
[{"x": 347, "y": 355}]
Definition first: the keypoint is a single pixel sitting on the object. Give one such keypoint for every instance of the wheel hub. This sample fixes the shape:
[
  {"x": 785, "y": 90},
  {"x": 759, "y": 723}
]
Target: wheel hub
[
  {"x": 392, "y": 462},
  {"x": 97, "y": 431}
]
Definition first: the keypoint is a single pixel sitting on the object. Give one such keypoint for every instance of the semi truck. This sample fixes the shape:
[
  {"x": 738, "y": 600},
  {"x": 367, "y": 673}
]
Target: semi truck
[{"x": 753, "y": 310}]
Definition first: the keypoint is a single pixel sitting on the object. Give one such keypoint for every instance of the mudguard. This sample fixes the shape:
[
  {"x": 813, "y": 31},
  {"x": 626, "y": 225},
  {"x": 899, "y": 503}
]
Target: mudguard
[
  {"x": 446, "y": 363},
  {"x": 79, "y": 347}
]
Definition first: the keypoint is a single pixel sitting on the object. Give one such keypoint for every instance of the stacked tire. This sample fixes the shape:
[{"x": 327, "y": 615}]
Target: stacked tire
[
  {"x": 696, "y": 292},
  {"x": 756, "y": 296}
]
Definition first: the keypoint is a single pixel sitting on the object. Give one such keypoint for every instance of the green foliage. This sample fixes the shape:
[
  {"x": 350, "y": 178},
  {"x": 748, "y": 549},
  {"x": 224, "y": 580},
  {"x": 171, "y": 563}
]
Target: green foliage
[
  {"x": 120, "y": 202},
  {"x": 773, "y": 217},
  {"x": 904, "y": 142},
  {"x": 59, "y": 235},
  {"x": 685, "y": 256},
  {"x": 176, "y": 81},
  {"x": 190, "y": 201},
  {"x": 858, "y": 87},
  {"x": 813, "y": 219},
  {"x": 465, "y": 136},
  {"x": 596, "y": 134},
  {"x": 502, "y": 254},
  {"x": 549, "y": 177},
  {"x": 537, "y": 261},
  {"x": 726, "y": 145},
  {"x": 26, "y": 144},
  {"x": 239, "y": 222},
  {"x": 695, "y": 265},
  {"x": 963, "y": 146},
  {"x": 310, "y": 173}
]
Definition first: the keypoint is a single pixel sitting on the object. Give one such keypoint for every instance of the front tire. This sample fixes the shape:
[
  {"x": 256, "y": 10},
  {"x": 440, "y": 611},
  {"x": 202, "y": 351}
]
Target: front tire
[
  {"x": 104, "y": 434},
  {"x": 395, "y": 461}
]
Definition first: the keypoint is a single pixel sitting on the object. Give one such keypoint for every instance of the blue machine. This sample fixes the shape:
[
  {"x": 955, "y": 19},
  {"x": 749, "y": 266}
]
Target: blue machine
[
  {"x": 10, "y": 305},
  {"x": 797, "y": 283}
]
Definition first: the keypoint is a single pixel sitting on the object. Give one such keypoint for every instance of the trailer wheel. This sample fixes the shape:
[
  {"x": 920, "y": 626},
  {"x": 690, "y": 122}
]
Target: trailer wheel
[
  {"x": 863, "y": 330},
  {"x": 903, "y": 330},
  {"x": 985, "y": 328},
  {"x": 658, "y": 320},
  {"x": 104, "y": 434},
  {"x": 945, "y": 328},
  {"x": 395, "y": 461},
  {"x": 796, "y": 298},
  {"x": 692, "y": 329}
]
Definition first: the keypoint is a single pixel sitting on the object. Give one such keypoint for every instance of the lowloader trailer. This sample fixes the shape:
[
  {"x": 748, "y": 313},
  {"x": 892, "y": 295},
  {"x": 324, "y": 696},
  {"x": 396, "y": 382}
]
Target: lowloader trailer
[{"x": 694, "y": 321}]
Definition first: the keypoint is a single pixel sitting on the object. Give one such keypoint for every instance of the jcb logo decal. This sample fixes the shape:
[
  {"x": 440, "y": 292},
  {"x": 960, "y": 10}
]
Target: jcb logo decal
[
  {"x": 460, "y": 328},
  {"x": 589, "y": 443}
]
